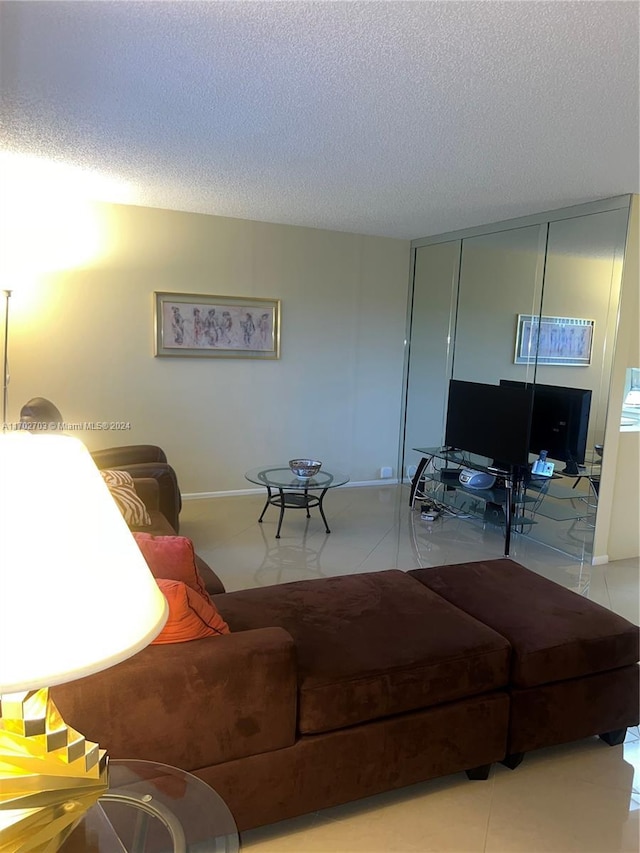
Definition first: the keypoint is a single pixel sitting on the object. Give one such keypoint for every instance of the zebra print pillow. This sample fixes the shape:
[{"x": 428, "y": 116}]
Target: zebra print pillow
[{"x": 120, "y": 484}]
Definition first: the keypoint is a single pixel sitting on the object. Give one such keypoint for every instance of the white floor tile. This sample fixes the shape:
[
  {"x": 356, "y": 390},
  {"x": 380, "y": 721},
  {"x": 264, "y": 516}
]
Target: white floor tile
[
  {"x": 574, "y": 798},
  {"x": 621, "y": 578},
  {"x": 553, "y": 818}
]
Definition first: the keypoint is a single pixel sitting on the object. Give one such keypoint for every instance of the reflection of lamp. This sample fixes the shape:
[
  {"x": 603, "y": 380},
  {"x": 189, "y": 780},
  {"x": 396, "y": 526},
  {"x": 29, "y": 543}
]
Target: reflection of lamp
[
  {"x": 76, "y": 597},
  {"x": 40, "y": 414}
]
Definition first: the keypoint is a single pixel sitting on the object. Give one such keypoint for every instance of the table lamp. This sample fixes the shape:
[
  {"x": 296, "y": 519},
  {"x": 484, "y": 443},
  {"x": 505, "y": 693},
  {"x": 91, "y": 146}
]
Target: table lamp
[{"x": 76, "y": 597}]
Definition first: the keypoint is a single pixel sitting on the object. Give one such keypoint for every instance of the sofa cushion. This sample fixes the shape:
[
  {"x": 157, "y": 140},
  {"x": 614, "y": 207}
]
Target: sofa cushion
[
  {"x": 372, "y": 645},
  {"x": 191, "y": 615},
  {"x": 160, "y": 527},
  {"x": 120, "y": 484},
  {"x": 172, "y": 558},
  {"x": 210, "y": 579},
  {"x": 555, "y": 633}
]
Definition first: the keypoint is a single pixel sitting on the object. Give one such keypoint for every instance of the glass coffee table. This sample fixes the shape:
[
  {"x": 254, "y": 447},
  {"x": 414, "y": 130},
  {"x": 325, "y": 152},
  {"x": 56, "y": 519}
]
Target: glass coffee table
[{"x": 286, "y": 491}]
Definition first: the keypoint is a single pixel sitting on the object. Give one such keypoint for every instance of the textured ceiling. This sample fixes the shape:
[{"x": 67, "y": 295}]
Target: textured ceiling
[{"x": 393, "y": 118}]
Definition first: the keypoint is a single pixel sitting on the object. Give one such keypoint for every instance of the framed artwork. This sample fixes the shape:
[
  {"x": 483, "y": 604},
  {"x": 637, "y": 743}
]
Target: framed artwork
[
  {"x": 554, "y": 340},
  {"x": 197, "y": 325}
]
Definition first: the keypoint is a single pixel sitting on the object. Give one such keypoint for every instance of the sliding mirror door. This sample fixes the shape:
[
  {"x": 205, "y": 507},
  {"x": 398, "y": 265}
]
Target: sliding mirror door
[
  {"x": 582, "y": 285},
  {"x": 430, "y": 353},
  {"x": 479, "y": 297},
  {"x": 500, "y": 278}
]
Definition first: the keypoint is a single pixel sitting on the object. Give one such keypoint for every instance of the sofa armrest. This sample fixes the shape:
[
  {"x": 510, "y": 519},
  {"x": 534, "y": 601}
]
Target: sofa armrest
[
  {"x": 148, "y": 490},
  {"x": 193, "y": 704},
  {"x": 212, "y": 582}
]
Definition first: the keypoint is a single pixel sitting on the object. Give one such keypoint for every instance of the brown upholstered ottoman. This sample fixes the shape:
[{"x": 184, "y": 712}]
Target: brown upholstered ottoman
[{"x": 574, "y": 669}]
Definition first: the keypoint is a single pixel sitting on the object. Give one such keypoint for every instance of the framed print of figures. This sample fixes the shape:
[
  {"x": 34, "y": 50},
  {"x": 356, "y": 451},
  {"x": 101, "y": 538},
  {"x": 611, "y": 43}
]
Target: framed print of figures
[
  {"x": 554, "y": 340},
  {"x": 197, "y": 325}
]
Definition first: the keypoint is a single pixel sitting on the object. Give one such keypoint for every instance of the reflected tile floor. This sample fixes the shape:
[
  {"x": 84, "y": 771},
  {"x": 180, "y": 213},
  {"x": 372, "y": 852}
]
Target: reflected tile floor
[{"x": 580, "y": 797}]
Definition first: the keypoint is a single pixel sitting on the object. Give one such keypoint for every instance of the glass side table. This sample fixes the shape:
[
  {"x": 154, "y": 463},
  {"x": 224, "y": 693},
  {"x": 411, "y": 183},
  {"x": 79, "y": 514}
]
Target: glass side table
[
  {"x": 286, "y": 491},
  {"x": 155, "y": 808}
]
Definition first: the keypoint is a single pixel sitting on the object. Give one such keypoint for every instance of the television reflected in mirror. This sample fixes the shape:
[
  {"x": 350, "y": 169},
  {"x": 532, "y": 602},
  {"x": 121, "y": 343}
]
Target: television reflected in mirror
[{"x": 559, "y": 422}]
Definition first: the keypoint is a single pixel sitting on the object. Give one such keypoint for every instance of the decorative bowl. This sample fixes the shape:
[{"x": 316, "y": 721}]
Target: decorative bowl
[{"x": 305, "y": 468}]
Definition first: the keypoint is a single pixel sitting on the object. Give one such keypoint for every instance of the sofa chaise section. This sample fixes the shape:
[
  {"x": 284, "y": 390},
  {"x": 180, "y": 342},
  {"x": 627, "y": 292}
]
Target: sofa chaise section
[
  {"x": 395, "y": 686},
  {"x": 373, "y": 645}
]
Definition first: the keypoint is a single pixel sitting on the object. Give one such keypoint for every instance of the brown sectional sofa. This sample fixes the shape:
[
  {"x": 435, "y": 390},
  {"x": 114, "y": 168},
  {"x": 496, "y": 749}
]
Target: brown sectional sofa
[{"x": 333, "y": 689}]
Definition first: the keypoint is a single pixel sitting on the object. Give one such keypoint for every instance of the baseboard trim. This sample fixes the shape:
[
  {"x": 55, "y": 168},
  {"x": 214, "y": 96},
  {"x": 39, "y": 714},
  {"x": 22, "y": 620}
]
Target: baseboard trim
[
  {"x": 600, "y": 561},
  {"x": 199, "y": 496}
]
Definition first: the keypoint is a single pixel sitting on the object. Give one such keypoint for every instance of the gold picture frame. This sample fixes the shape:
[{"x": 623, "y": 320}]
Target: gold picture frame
[{"x": 198, "y": 325}]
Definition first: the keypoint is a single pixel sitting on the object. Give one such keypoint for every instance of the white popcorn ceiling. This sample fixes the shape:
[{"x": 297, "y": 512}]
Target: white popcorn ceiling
[{"x": 390, "y": 118}]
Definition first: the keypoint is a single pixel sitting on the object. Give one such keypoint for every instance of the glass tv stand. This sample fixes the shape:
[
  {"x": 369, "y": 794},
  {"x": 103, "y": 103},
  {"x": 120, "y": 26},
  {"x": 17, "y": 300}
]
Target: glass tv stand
[
  {"x": 517, "y": 500},
  {"x": 437, "y": 478}
]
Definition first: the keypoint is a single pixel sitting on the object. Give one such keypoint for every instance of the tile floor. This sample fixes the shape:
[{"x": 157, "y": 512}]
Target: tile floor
[{"x": 579, "y": 797}]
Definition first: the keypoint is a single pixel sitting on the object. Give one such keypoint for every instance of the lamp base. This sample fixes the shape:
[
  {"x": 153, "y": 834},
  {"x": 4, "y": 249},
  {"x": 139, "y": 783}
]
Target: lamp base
[{"x": 49, "y": 774}]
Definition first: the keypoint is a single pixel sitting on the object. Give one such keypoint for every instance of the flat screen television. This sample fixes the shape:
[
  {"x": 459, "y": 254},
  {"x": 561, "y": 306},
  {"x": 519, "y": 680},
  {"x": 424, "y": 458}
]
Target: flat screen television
[
  {"x": 559, "y": 422},
  {"x": 490, "y": 420}
]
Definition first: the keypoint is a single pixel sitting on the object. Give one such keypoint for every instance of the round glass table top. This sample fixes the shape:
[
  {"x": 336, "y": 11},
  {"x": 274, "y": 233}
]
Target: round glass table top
[
  {"x": 282, "y": 477},
  {"x": 155, "y": 808}
]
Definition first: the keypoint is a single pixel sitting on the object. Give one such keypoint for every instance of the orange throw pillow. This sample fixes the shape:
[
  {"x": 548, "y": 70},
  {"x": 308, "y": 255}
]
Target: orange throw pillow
[
  {"x": 191, "y": 617},
  {"x": 172, "y": 558}
]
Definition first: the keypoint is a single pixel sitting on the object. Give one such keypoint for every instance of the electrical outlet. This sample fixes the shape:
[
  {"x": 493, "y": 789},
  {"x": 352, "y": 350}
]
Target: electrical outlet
[{"x": 386, "y": 473}]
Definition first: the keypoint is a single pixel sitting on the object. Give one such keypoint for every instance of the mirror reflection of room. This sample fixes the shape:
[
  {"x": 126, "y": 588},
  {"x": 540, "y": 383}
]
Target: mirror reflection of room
[
  {"x": 630, "y": 418},
  {"x": 510, "y": 299}
]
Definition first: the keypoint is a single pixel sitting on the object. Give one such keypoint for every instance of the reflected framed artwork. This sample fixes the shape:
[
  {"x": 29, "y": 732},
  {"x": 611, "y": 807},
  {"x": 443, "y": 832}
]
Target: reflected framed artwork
[
  {"x": 554, "y": 340},
  {"x": 197, "y": 325}
]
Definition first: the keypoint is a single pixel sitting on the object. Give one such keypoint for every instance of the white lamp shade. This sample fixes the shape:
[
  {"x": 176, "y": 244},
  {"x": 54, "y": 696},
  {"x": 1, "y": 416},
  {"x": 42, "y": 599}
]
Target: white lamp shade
[{"x": 76, "y": 595}]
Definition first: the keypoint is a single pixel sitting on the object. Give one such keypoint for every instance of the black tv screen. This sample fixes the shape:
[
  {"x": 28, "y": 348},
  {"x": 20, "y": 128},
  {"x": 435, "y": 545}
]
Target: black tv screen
[
  {"x": 490, "y": 420},
  {"x": 559, "y": 422}
]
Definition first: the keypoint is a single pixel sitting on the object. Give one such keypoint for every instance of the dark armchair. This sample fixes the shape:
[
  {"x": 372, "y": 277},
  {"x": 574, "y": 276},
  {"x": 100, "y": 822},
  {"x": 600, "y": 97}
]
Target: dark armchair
[
  {"x": 140, "y": 460},
  {"x": 146, "y": 460}
]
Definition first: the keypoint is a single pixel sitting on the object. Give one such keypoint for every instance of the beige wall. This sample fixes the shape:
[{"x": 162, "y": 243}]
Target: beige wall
[{"x": 84, "y": 339}]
